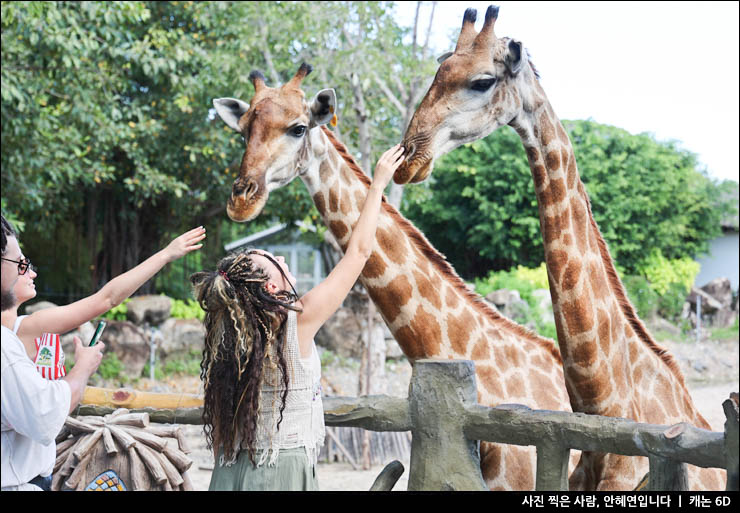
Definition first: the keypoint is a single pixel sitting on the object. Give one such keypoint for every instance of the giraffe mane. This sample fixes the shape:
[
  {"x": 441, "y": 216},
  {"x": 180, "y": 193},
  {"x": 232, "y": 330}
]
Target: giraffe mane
[
  {"x": 440, "y": 263},
  {"x": 626, "y": 306}
]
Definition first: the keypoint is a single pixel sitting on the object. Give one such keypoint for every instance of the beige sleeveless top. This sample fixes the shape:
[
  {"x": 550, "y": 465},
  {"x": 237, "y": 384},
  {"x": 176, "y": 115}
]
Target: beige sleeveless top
[{"x": 303, "y": 416}]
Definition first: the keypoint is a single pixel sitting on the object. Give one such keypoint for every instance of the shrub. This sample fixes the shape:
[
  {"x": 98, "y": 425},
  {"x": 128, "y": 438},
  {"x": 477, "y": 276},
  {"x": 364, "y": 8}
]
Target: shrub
[
  {"x": 642, "y": 295},
  {"x": 110, "y": 367},
  {"x": 117, "y": 313},
  {"x": 663, "y": 273},
  {"x": 187, "y": 309}
]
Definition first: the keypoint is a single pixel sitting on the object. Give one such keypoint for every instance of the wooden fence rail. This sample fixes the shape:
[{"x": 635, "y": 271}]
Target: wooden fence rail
[{"x": 447, "y": 422}]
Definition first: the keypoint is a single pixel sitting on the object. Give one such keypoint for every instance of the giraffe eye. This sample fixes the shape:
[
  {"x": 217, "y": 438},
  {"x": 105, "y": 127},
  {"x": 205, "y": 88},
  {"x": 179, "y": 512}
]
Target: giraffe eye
[
  {"x": 483, "y": 84},
  {"x": 298, "y": 131}
]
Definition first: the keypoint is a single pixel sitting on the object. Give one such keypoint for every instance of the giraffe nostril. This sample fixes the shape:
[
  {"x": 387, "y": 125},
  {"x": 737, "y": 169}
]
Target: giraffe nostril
[
  {"x": 248, "y": 188},
  {"x": 410, "y": 150}
]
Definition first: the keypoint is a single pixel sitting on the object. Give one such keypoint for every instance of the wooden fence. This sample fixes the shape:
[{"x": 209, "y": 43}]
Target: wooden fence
[{"x": 446, "y": 423}]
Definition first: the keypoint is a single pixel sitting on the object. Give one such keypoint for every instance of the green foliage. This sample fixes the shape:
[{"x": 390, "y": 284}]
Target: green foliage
[
  {"x": 110, "y": 144},
  {"x": 663, "y": 273},
  {"x": 524, "y": 280},
  {"x": 110, "y": 367},
  {"x": 670, "y": 303},
  {"x": 187, "y": 309},
  {"x": 479, "y": 207},
  {"x": 185, "y": 365},
  {"x": 117, "y": 313},
  {"x": 729, "y": 333},
  {"x": 641, "y": 295}
]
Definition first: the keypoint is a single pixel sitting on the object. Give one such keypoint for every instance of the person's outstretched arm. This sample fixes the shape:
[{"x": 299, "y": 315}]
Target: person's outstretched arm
[
  {"x": 62, "y": 319},
  {"x": 323, "y": 300}
]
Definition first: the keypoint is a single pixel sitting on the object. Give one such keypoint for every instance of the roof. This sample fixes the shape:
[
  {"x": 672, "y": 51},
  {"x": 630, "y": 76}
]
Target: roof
[{"x": 264, "y": 234}]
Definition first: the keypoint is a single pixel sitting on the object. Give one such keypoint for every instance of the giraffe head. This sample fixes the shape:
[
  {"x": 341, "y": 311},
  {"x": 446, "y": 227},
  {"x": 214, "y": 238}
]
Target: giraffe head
[
  {"x": 276, "y": 126},
  {"x": 479, "y": 87}
]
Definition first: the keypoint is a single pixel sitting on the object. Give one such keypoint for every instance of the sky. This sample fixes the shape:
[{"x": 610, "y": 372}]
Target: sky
[{"x": 667, "y": 68}]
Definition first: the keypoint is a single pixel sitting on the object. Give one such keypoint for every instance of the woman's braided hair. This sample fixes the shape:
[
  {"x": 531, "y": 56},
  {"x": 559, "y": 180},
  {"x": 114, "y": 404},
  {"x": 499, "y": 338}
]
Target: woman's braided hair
[{"x": 245, "y": 339}]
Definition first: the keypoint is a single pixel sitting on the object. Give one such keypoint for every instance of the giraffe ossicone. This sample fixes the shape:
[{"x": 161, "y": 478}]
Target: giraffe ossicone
[
  {"x": 427, "y": 307},
  {"x": 612, "y": 365}
]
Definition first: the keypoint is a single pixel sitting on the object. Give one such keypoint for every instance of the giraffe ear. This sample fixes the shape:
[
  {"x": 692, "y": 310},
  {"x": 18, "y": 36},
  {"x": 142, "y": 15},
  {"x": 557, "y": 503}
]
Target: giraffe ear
[
  {"x": 514, "y": 56},
  {"x": 322, "y": 107},
  {"x": 443, "y": 57},
  {"x": 231, "y": 110}
]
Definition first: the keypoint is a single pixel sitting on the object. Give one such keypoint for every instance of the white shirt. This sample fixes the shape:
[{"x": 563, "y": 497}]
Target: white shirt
[{"x": 33, "y": 412}]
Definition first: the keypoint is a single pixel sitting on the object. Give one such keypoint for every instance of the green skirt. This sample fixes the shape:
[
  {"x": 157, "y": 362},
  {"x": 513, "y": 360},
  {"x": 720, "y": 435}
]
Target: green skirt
[{"x": 293, "y": 472}]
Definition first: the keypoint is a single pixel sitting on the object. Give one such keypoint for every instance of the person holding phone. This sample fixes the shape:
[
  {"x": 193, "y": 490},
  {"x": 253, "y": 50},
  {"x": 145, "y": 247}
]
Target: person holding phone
[
  {"x": 261, "y": 371},
  {"x": 33, "y": 408}
]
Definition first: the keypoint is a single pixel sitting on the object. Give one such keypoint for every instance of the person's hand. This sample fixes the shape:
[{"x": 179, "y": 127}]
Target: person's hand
[
  {"x": 387, "y": 165},
  {"x": 185, "y": 243},
  {"x": 88, "y": 358}
]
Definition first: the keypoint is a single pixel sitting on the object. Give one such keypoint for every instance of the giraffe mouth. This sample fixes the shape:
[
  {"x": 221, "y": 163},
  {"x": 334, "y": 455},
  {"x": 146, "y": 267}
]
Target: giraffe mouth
[
  {"x": 418, "y": 163},
  {"x": 242, "y": 208}
]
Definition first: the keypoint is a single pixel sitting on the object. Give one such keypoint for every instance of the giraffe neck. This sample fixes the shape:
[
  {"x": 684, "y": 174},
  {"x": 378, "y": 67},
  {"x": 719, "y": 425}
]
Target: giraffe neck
[
  {"x": 424, "y": 303},
  {"x": 600, "y": 336}
]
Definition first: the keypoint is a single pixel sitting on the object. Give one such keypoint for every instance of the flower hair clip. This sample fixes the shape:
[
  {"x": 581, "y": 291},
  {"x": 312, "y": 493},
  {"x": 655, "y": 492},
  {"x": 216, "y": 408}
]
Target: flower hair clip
[{"x": 223, "y": 274}]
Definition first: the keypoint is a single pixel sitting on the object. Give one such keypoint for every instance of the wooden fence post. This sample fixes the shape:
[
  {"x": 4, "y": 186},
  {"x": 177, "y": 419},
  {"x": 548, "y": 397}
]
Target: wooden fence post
[
  {"x": 731, "y": 442},
  {"x": 552, "y": 467},
  {"x": 442, "y": 458}
]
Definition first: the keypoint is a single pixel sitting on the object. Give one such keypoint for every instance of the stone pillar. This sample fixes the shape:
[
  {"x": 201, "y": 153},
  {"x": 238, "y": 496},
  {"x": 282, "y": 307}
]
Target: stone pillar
[{"x": 442, "y": 458}]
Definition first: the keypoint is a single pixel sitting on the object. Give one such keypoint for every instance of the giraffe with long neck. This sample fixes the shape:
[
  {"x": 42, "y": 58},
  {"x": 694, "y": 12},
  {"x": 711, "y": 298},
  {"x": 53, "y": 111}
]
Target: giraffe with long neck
[
  {"x": 612, "y": 365},
  {"x": 427, "y": 307}
]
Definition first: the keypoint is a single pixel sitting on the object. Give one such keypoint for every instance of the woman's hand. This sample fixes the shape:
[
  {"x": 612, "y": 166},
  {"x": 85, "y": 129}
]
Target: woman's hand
[
  {"x": 387, "y": 165},
  {"x": 185, "y": 243}
]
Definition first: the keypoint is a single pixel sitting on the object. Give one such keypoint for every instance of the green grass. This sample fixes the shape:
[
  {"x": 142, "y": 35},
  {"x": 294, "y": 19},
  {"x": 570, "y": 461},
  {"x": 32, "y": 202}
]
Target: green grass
[{"x": 729, "y": 333}]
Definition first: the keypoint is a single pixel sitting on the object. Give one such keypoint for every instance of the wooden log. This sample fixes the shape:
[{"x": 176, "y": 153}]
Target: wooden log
[
  {"x": 182, "y": 441},
  {"x": 85, "y": 448},
  {"x": 76, "y": 426},
  {"x": 110, "y": 445},
  {"x": 133, "y": 399},
  {"x": 164, "y": 416},
  {"x": 373, "y": 412},
  {"x": 65, "y": 444},
  {"x": 388, "y": 477},
  {"x": 165, "y": 430},
  {"x": 178, "y": 458},
  {"x": 63, "y": 434},
  {"x": 79, "y": 472},
  {"x": 126, "y": 440},
  {"x": 142, "y": 436},
  {"x": 517, "y": 424},
  {"x": 140, "y": 420},
  {"x": 187, "y": 484},
  {"x": 667, "y": 475},
  {"x": 151, "y": 461},
  {"x": 173, "y": 475},
  {"x": 730, "y": 407},
  {"x": 552, "y": 467},
  {"x": 137, "y": 470},
  {"x": 343, "y": 450},
  {"x": 65, "y": 457}
]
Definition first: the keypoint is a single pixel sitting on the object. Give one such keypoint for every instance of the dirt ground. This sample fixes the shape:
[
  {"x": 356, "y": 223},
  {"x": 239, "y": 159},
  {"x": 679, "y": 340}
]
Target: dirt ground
[{"x": 711, "y": 370}]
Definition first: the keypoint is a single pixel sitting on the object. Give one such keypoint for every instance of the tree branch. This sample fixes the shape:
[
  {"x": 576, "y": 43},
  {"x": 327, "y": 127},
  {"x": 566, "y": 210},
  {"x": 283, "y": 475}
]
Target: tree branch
[{"x": 386, "y": 90}]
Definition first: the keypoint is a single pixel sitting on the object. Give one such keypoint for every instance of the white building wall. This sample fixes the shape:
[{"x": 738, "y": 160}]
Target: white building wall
[{"x": 722, "y": 261}]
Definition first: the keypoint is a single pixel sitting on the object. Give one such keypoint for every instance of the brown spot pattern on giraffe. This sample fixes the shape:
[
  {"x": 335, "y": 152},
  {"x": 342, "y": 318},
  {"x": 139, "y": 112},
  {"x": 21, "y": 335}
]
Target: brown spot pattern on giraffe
[
  {"x": 318, "y": 200},
  {"x": 518, "y": 469},
  {"x": 571, "y": 275},
  {"x": 480, "y": 350},
  {"x": 557, "y": 261},
  {"x": 427, "y": 290},
  {"x": 548, "y": 131},
  {"x": 458, "y": 329},
  {"x": 333, "y": 201},
  {"x": 344, "y": 202},
  {"x": 392, "y": 297},
  {"x": 578, "y": 315},
  {"x": 490, "y": 378},
  {"x": 338, "y": 228},
  {"x": 375, "y": 266},
  {"x": 580, "y": 223},
  {"x": 395, "y": 247}
]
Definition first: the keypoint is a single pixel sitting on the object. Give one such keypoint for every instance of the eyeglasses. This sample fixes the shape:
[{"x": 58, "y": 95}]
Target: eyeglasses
[{"x": 23, "y": 265}]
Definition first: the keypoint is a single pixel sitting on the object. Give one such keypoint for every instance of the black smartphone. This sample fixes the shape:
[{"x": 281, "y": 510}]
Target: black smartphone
[{"x": 98, "y": 333}]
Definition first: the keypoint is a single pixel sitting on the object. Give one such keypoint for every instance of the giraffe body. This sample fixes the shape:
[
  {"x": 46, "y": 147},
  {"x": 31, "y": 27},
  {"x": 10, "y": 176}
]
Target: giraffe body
[
  {"x": 427, "y": 307},
  {"x": 612, "y": 365}
]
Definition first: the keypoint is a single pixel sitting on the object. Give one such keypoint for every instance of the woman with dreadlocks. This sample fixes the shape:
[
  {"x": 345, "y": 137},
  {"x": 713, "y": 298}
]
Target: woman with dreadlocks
[{"x": 261, "y": 372}]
